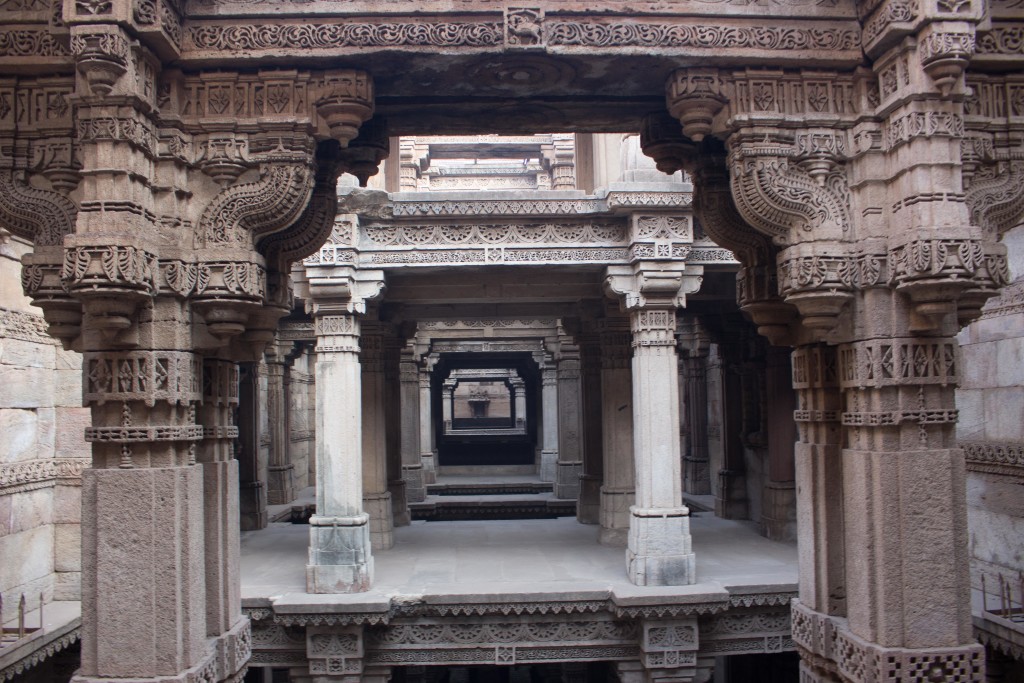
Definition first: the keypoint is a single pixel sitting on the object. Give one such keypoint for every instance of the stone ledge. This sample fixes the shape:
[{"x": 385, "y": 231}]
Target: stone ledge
[{"x": 60, "y": 630}]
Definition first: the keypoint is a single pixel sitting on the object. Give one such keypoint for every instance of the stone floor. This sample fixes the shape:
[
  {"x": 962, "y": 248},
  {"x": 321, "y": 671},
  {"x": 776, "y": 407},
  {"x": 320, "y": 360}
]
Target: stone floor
[{"x": 514, "y": 557}]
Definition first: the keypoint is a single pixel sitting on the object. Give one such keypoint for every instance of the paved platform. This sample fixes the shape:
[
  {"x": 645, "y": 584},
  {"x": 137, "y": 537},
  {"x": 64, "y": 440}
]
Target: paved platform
[{"x": 500, "y": 558}]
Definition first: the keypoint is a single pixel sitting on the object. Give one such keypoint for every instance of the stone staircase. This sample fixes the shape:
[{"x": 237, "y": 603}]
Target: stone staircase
[{"x": 464, "y": 497}]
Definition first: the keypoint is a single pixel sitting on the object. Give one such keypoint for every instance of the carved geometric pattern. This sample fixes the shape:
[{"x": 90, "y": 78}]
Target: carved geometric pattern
[
  {"x": 148, "y": 376},
  {"x": 895, "y": 362}
]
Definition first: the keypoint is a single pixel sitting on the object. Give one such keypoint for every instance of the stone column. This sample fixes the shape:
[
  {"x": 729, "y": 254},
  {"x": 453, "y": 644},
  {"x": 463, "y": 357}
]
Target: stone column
[
  {"x": 340, "y": 560},
  {"x": 409, "y": 412},
  {"x": 658, "y": 551},
  {"x": 252, "y": 500},
  {"x": 280, "y": 488},
  {"x": 618, "y": 490},
  {"x": 447, "y": 403},
  {"x": 428, "y": 452},
  {"x": 519, "y": 401},
  {"x": 778, "y": 516},
  {"x": 588, "y": 511},
  {"x": 570, "y": 422},
  {"x": 376, "y": 497},
  {"x": 549, "y": 419}
]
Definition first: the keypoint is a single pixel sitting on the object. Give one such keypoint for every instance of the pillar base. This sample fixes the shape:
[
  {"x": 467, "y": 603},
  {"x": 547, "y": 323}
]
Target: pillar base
[
  {"x": 567, "y": 480},
  {"x": 831, "y": 652},
  {"x": 659, "y": 551},
  {"x": 399, "y": 503},
  {"x": 280, "y": 489},
  {"x": 340, "y": 560},
  {"x": 697, "y": 476},
  {"x": 615, "y": 517},
  {"x": 429, "y": 463},
  {"x": 415, "y": 491},
  {"x": 778, "y": 516},
  {"x": 252, "y": 506},
  {"x": 588, "y": 510},
  {"x": 548, "y": 465},
  {"x": 378, "y": 506},
  {"x": 731, "y": 501}
]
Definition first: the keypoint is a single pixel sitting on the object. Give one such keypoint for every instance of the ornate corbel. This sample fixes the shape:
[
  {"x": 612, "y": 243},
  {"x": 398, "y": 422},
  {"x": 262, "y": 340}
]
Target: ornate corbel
[
  {"x": 43, "y": 217},
  {"x": 695, "y": 97},
  {"x": 796, "y": 193},
  {"x": 102, "y": 55},
  {"x": 757, "y": 286}
]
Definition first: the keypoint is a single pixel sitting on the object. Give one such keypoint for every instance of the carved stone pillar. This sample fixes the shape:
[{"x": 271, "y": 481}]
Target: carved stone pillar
[
  {"x": 570, "y": 427},
  {"x": 340, "y": 560},
  {"x": 428, "y": 452},
  {"x": 409, "y": 412},
  {"x": 549, "y": 419},
  {"x": 658, "y": 551},
  {"x": 618, "y": 492},
  {"x": 778, "y": 515},
  {"x": 376, "y": 497},
  {"x": 447, "y": 403},
  {"x": 518, "y": 388},
  {"x": 280, "y": 488}
]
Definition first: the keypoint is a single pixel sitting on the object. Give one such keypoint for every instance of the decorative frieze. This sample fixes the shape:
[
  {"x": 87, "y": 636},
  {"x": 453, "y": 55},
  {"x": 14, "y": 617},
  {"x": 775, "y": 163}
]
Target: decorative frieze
[
  {"x": 994, "y": 457},
  {"x": 610, "y": 34},
  {"x": 896, "y": 362},
  {"x": 147, "y": 376},
  {"x": 603, "y": 233},
  {"x": 30, "y": 42},
  {"x": 348, "y": 34}
]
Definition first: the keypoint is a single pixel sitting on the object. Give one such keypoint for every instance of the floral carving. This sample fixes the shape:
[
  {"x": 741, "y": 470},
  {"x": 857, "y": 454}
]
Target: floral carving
[
  {"x": 700, "y": 36},
  {"x": 349, "y": 34}
]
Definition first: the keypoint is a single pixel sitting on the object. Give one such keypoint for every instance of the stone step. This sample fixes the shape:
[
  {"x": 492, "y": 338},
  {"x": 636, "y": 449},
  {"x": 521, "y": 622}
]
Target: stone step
[
  {"x": 492, "y": 507},
  {"x": 489, "y": 488}
]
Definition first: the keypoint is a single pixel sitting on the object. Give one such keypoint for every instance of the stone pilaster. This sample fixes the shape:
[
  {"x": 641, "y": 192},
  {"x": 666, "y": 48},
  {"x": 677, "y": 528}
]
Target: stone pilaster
[
  {"x": 570, "y": 421},
  {"x": 778, "y": 508},
  {"x": 393, "y": 344},
  {"x": 731, "y": 497},
  {"x": 549, "y": 420},
  {"x": 409, "y": 412},
  {"x": 340, "y": 559},
  {"x": 280, "y": 486},
  {"x": 376, "y": 497},
  {"x": 618, "y": 490}
]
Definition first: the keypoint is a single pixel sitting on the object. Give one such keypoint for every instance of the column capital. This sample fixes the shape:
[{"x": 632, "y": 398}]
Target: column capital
[
  {"x": 342, "y": 289},
  {"x": 652, "y": 285}
]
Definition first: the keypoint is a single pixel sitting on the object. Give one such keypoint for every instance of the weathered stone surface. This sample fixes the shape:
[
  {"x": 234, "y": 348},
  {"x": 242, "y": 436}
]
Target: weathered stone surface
[{"x": 21, "y": 438}]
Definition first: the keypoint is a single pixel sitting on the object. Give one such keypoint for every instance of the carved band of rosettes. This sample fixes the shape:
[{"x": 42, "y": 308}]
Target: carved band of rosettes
[
  {"x": 898, "y": 362},
  {"x": 994, "y": 457},
  {"x": 147, "y": 376}
]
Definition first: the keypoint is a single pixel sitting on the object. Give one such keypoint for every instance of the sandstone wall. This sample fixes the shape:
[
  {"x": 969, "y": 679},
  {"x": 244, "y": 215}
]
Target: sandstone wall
[
  {"x": 42, "y": 450},
  {"x": 991, "y": 427}
]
